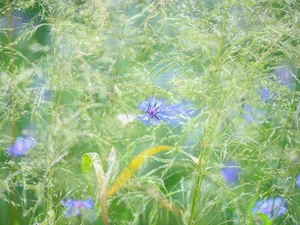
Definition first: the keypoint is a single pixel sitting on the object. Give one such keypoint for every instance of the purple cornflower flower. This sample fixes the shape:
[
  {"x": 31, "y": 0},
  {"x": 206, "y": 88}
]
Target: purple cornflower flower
[
  {"x": 231, "y": 173},
  {"x": 271, "y": 207},
  {"x": 21, "y": 146},
  {"x": 155, "y": 111},
  {"x": 76, "y": 205},
  {"x": 298, "y": 180}
]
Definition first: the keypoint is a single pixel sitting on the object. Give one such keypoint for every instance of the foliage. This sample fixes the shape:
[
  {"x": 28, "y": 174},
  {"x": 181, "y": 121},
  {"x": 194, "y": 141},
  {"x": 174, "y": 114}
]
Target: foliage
[{"x": 73, "y": 74}]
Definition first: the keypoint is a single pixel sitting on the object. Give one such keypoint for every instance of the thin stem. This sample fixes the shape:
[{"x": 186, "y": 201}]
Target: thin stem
[
  {"x": 13, "y": 197},
  {"x": 221, "y": 41},
  {"x": 282, "y": 200},
  {"x": 196, "y": 189},
  {"x": 293, "y": 107},
  {"x": 204, "y": 151},
  {"x": 11, "y": 67},
  {"x": 52, "y": 122},
  {"x": 121, "y": 36},
  {"x": 200, "y": 169}
]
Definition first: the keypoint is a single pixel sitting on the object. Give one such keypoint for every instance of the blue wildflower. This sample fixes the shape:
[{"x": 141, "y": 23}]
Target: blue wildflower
[
  {"x": 76, "y": 205},
  {"x": 231, "y": 173},
  {"x": 155, "y": 111},
  {"x": 21, "y": 146},
  {"x": 271, "y": 207},
  {"x": 265, "y": 94},
  {"x": 298, "y": 180},
  {"x": 286, "y": 77}
]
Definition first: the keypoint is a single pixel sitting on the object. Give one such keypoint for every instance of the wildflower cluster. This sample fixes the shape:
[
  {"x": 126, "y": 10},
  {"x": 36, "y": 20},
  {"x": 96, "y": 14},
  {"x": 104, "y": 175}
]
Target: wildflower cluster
[
  {"x": 21, "y": 147},
  {"x": 156, "y": 111},
  {"x": 164, "y": 112}
]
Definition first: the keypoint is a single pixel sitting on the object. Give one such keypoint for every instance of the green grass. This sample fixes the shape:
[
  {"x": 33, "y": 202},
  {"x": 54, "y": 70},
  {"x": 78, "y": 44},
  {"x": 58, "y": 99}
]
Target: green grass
[{"x": 69, "y": 69}]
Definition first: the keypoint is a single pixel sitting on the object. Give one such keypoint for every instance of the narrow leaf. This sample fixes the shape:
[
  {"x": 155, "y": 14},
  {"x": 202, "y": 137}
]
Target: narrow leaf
[
  {"x": 133, "y": 166},
  {"x": 90, "y": 160}
]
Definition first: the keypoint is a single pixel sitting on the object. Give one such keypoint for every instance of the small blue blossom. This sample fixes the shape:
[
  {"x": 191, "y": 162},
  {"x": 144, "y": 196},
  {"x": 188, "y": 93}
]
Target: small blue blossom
[
  {"x": 285, "y": 76},
  {"x": 265, "y": 94},
  {"x": 155, "y": 111},
  {"x": 231, "y": 173},
  {"x": 21, "y": 146},
  {"x": 298, "y": 180},
  {"x": 271, "y": 207},
  {"x": 74, "y": 206}
]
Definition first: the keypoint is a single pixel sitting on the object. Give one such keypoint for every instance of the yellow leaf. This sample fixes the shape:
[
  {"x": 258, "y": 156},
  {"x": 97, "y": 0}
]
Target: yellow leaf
[{"x": 133, "y": 166}]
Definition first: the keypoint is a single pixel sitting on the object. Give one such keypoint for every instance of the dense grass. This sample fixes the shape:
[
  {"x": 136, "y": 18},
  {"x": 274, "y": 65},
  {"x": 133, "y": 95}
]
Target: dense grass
[{"x": 226, "y": 78}]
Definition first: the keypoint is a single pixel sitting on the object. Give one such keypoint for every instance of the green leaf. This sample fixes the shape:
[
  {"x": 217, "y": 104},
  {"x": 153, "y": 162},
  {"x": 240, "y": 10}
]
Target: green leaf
[{"x": 89, "y": 161}]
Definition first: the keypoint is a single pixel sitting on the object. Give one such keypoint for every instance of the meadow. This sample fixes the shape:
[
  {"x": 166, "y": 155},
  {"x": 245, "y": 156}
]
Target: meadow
[{"x": 149, "y": 112}]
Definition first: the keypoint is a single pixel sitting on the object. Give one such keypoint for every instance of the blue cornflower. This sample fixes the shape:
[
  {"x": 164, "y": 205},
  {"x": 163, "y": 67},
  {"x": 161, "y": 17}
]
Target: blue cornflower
[
  {"x": 231, "y": 172},
  {"x": 298, "y": 180},
  {"x": 155, "y": 111},
  {"x": 286, "y": 77},
  {"x": 21, "y": 146},
  {"x": 76, "y": 205},
  {"x": 265, "y": 94},
  {"x": 283, "y": 75},
  {"x": 271, "y": 207}
]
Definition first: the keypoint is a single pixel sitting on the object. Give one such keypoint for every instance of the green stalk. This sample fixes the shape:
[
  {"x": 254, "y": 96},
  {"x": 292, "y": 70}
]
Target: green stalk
[
  {"x": 200, "y": 169},
  {"x": 285, "y": 194},
  {"x": 12, "y": 68},
  {"x": 204, "y": 150},
  {"x": 53, "y": 119},
  {"x": 13, "y": 197},
  {"x": 293, "y": 108},
  {"x": 114, "y": 80}
]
